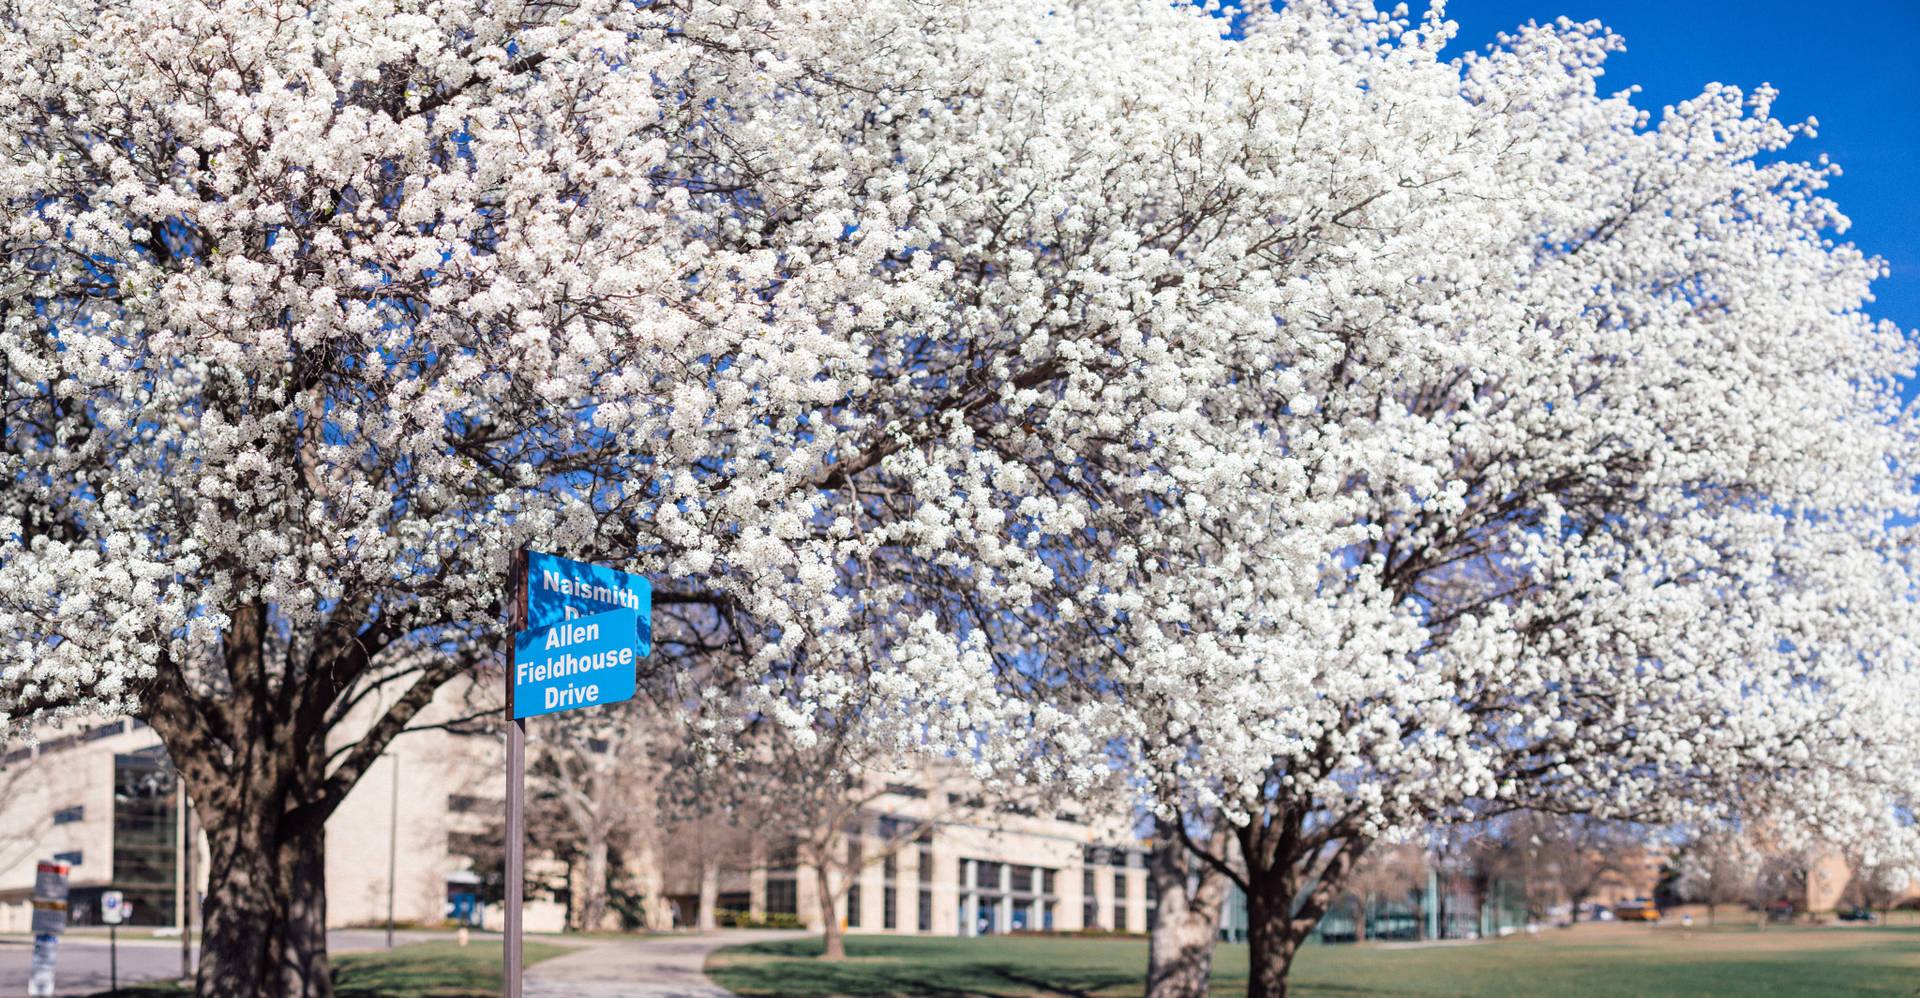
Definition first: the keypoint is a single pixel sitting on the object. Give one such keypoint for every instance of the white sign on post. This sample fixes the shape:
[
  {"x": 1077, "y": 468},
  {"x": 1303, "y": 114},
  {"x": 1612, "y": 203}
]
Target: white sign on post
[
  {"x": 40, "y": 973},
  {"x": 112, "y": 909},
  {"x": 49, "y": 920},
  {"x": 50, "y": 898},
  {"x": 50, "y": 882}
]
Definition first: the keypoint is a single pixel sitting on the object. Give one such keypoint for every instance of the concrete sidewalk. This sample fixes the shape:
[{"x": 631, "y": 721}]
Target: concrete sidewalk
[{"x": 656, "y": 967}]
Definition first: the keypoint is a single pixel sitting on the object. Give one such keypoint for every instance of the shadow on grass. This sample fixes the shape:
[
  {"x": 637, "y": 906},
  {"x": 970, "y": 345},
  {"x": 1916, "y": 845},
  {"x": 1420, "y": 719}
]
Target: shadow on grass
[
  {"x": 900, "y": 967},
  {"x": 1084, "y": 989}
]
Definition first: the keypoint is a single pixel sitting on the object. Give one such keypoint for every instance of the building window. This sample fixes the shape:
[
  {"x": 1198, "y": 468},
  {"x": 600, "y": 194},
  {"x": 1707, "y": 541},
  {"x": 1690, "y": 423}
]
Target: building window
[
  {"x": 853, "y": 907},
  {"x": 989, "y": 878},
  {"x": 103, "y": 731},
  {"x": 1119, "y": 901},
  {"x": 890, "y": 865},
  {"x": 463, "y": 804},
  {"x": 145, "y": 843},
  {"x": 783, "y": 896},
  {"x": 1090, "y": 903},
  {"x": 70, "y": 858},
  {"x": 926, "y": 865},
  {"x": 906, "y": 790},
  {"x": 69, "y": 815},
  {"x": 470, "y": 845},
  {"x": 926, "y": 910},
  {"x": 889, "y": 908},
  {"x": 1022, "y": 879}
]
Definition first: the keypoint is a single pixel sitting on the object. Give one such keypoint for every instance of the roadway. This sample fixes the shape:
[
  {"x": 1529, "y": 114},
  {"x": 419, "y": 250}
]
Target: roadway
[{"x": 83, "y": 967}]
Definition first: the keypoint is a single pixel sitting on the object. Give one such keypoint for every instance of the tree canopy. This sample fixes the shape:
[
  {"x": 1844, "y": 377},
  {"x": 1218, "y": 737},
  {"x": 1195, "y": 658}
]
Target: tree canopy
[{"x": 1332, "y": 436}]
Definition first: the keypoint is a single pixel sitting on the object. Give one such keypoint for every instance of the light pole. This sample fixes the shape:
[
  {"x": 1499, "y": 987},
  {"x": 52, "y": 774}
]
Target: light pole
[
  {"x": 185, "y": 876},
  {"x": 393, "y": 842}
]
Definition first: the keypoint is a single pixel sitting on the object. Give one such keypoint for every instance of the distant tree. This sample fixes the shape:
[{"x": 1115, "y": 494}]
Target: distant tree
[
  {"x": 23, "y": 781},
  {"x": 1878, "y": 885},
  {"x": 820, "y": 795},
  {"x": 596, "y": 772},
  {"x": 1564, "y": 859}
]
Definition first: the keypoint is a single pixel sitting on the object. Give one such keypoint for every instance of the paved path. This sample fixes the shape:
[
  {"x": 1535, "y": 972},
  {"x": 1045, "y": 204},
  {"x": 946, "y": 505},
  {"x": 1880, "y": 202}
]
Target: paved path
[
  {"x": 658, "y": 967},
  {"x": 82, "y": 967}
]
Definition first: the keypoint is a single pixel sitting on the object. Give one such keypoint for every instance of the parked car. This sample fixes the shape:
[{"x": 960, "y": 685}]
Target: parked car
[
  {"x": 1780, "y": 911},
  {"x": 1637, "y": 910},
  {"x": 1856, "y": 915}
]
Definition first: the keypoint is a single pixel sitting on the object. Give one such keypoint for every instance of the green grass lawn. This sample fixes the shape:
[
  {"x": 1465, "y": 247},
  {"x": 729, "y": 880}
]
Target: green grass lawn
[
  {"x": 438, "y": 969},
  {"x": 1599, "y": 961}
]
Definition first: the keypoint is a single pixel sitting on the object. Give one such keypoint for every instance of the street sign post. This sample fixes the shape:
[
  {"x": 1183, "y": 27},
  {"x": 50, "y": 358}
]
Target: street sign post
[
  {"x": 49, "y": 921},
  {"x": 578, "y": 630},
  {"x": 46, "y": 949},
  {"x": 112, "y": 912}
]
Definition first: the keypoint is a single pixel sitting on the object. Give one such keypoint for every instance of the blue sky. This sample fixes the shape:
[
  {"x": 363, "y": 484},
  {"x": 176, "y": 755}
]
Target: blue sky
[{"x": 1853, "y": 64}]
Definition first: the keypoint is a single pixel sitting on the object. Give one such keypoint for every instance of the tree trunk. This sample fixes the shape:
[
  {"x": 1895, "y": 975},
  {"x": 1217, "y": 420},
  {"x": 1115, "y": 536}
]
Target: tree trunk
[
  {"x": 238, "y": 914},
  {"x": 263, "y": 929},
  {"x": 1288, "y": 893},
  {"x": 304, "y": 969},
  {"x": 256, "y": 767},
  {"x": 709, "y": 893},
  {"x": 593, "y": 884},
  {"x": 654, "y": 910},
  {"x": 1185, "y": 927},
  {"x": 1359, "y": 919},
  {"x": 835, "y": 944},
  {"x": 1273, "y": 937}
]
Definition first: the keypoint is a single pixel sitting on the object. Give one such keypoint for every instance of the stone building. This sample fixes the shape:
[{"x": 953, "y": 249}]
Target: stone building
[{"x": 103, "y": 798}]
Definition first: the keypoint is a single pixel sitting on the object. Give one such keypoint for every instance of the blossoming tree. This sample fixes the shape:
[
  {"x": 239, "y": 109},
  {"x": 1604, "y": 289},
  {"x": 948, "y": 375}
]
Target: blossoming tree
[
  {"x": 1357, "y": 436},
  {"x": 1568, "y": 474},
  {"x": 315, "y": 311}
]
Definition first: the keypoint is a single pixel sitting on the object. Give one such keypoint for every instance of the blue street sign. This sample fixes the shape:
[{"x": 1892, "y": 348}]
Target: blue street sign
[
  {"x": 559, "y": 589},
  {"x": 574, "y": 663}
]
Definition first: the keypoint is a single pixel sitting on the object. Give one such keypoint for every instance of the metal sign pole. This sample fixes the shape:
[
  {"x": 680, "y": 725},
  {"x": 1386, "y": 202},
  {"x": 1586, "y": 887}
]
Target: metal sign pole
[
  {"x": 113, "y": 957},
  {"x": 516, "y": 784}
]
